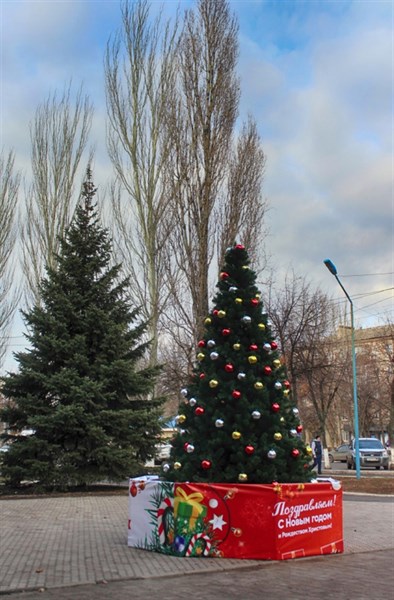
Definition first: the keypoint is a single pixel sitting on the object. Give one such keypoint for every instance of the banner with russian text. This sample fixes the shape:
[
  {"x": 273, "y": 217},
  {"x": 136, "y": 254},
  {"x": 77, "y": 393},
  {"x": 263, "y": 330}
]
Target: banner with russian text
[{"x": 268, "y": 522}]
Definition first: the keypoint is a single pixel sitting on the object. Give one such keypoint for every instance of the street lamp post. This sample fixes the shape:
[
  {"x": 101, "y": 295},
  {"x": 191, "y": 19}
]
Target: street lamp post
[{"x": 333, "y": 270}]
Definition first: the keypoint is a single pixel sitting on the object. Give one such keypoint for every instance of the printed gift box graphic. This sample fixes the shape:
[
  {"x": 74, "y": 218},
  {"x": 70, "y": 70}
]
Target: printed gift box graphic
[{"x": 268, "y": 522}]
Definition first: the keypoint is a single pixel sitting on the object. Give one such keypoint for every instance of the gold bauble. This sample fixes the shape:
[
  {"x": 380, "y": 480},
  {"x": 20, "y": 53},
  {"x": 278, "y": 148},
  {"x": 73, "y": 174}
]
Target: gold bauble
[
  {"x": 286, "y": 392},
  {"x": 276, "y": 363},
  {"x": 238, "y": 300},
  {"x": 252, "y": 359},
  {"x": 236, "y": 435},
  {"x": 277, "y": 436},
  {"x": 200, "y": 356},
  {"x": 237, "y": 346},
  {"x": 245, "y": 267},
  {"x": 177, "y": 465},
  {"x": 261, "y": 326},
  {"x": 282, "y": 419},
  {"x": 242, "y": 477},
  {"x": 221, "y": 314},
  {"x": 213, "y": 383},
  {"x": 308, "y": 449},
  {"x": 258, "y": 385},
  {"x": 181, "y": 418},
  {"x": 208, "y": 321}
]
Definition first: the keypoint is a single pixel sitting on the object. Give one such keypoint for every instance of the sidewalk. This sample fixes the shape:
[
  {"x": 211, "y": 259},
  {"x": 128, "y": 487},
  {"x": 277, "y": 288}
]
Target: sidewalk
[{"x": 56, "y": 542}]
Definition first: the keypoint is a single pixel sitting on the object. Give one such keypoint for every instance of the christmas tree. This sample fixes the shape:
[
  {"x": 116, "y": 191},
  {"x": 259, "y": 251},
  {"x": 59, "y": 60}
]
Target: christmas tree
[
  {"x": 81, "y": 388},
  {"x": 238, "y": 422}
]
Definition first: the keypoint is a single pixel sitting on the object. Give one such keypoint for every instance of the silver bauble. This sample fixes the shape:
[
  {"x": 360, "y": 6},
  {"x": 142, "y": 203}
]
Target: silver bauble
[
  {"x": 166, "y": 467},
  {"x": 296, "y": 411},
  {"x": 184, "y": 392},
  {"x": 232, "y": 288},
  {"x": 278, "y": 385},
  {"x": 271, "y": 454},
  {"x": 190, "y": 448},
  {"x": 256, "y": 414},
  {"x": 246, "y": 319},
  {"x": 211, "y": 343},
  {"x": 241, "y": 376},
  {"x": 214, "y": 356},
  {"x": 219, "y": 423},
  {"x": 293, "y": 432},
  {"x": 192, "y": 402},
  {"x": 267, "y": 347}
]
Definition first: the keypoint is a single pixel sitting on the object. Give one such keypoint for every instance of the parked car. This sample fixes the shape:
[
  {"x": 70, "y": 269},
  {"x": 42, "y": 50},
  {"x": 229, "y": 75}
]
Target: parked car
[
  {"x": 339, "y": 454},
  {"x": 372, "y": 454}
]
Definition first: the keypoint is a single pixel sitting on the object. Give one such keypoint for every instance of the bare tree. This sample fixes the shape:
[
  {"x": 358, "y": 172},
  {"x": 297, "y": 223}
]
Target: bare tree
[
  {"x": 214, "y": 179},
  {"x": 9, "y": 294},
  {"x": 139, "y": 76},
  {"x": 59, "y": 136}
]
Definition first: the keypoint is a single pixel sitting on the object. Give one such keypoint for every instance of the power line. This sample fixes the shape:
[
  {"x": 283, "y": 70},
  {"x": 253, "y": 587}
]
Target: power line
[{"x": 367, "y": 275}]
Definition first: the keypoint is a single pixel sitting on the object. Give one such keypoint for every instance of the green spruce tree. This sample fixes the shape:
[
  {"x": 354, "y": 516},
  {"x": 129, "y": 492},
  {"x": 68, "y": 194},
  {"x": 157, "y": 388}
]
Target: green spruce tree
[
  {"x": 238, "y": 422},
  {"x": 81, "y": 388}
]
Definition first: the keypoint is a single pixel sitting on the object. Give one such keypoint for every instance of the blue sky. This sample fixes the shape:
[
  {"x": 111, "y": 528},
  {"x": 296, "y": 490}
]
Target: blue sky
[{"x": 318, "y": 78}]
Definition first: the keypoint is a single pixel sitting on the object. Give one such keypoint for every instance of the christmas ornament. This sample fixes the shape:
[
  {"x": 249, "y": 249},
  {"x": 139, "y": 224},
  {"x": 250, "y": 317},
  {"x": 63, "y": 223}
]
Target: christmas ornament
[
  {"x": 278, "y": 385},
  {"x": 184, "y": 392},
  {"x": 267, "y": 370},
  {"x": 277, "y": 436},
  {"x": 202, "y": 375},
  {"x": 241, "y": 477},
  {"x": 236, "y": 435},
  {"x": 239, "y": 247},
  {"x": 271, "y": 454},
  {"x": 241, "y": 376},
  {"x": 236, "y": 394},
  {"x": 254, "y": 302},
  {"x": 308, "y": 450},
  {"x": 226, "y": 331},
  {"x": 245, "y": 267},
  {"x": 267, "y": 347},
  {"x": 166, "y": 467},
  {"x": 211, "y": 343},
  {"x": 192, "y": 402},
  {"x": 200, "y": 356},
  {"x": 237, "y": 346},
  {"x": 177, "y": 465},
  {"x": 181, "y": 418},
  {"x": 206, "y": 464},
  {"x": 286, "y": 392},
  {"x": 282, "y": 419},
  {"x": 286, "y": 384},
  {"x": 293, "y": 432},
  {"x": 208, "y": 321},
  {"x": 275, "y": 407},
  {"x": 252, "y": 359},
  {"x": 249, "y": 449},
  {"x": 295, "y": 452},
  {"x": 276, "y": 363},
  {"x": 233, "y": 289},
  {"x": 258, "y": 385},
  {"x": 185, "y": 445},
  {"x": 229, "y": 368},
  {"x": 246, "y": 319},
  {"x": 274, "y": 345},
  {"x": 221, "y": 314},
  {"x": 190, "y": 448},
  {"x": 214, "y": 356},
  {"x": 215, "y": 312},
  {"x": 256, "y": 415},
  {"x": 199, "y": 411},
  {"x": 201, "y": 344},
  {"x": 238, "y": 300},
  {"x": 253, "y": 347},
  {"x": 299, "y": 428},
  {"x": 224, "y": 275},
  {"x": 295, "y": 410},
  {"x": 261, "y": 326},
  {"x": 219, "y": 423},
  {"x": 213, "y": 383}
]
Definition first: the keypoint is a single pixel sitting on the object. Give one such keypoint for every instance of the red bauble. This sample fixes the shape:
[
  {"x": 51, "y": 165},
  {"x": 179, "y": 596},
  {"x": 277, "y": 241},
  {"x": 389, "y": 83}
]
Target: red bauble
[
  {"x": 236, "y": 394},
  {"x": 249, "y": 449},
  {"x": 295, "y": 452},
  {"x": 133, "y": 490},
  {"x": 267, "y": 370},
  {"x": 275, "y": 407},
  {"x": 215, "y": 312},
  {"x": 299, "y": 428},
  {"x": 274, "y": 345},
  {"x": 201, "y": 344},
  {"x": 199, "y": 411},
  {"x": 253, "y": 347},
  {"x": 202, "y": 375},
  {"x": 206, "y": 464},
  {"x": 254, "y": 302},
  {"x": 226, "y": 331},
  {"x": 239, "y": 247},
  {"x": 286, "y": 384},
  {"x": 224, "y": 275},
  {"x": 229, "y": 368},
  {"x": 185, "y": 445}
]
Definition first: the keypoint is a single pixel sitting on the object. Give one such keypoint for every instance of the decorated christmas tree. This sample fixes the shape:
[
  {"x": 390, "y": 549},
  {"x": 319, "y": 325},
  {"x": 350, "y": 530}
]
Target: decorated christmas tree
[{"x": 237, "y": 422}]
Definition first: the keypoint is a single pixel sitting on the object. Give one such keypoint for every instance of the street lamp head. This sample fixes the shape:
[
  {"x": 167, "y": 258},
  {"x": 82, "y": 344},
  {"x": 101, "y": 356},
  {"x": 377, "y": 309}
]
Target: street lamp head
[{"x": 330, "y": 266}]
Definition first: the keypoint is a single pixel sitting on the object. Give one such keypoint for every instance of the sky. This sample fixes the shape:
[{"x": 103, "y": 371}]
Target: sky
[{"x": 317, "y": 75}]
